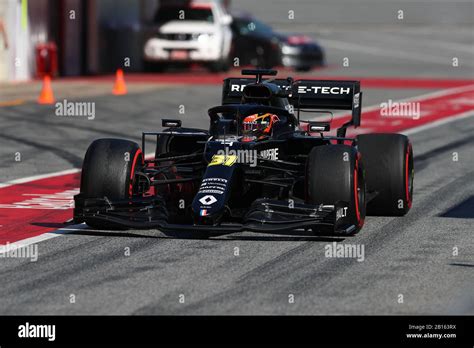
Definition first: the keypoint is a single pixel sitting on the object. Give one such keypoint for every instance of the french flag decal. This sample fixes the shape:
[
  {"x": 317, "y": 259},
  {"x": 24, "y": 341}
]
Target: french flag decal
[{"x": 203, "y": 212}]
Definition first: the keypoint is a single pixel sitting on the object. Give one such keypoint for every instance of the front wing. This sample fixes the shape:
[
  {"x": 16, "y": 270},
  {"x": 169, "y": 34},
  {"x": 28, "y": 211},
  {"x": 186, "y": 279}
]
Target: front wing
[{"x": 263, "y": 215}]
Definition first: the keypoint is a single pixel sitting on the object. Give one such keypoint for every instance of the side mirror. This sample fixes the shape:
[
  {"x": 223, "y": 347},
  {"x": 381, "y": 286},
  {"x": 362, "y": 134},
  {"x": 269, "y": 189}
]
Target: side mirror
[
  {"x": 170, "y": 123},
  {"x": 314, "y": 127}
]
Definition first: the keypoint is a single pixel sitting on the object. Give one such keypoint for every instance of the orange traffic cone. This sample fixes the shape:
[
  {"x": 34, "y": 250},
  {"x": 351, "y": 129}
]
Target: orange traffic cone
[
  {"x": 46, "y": 95},
  {"x": 119, "y": 87}
]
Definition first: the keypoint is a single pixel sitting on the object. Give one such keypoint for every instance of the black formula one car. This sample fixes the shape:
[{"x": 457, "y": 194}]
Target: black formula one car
[{"x": 255, "y": 169}]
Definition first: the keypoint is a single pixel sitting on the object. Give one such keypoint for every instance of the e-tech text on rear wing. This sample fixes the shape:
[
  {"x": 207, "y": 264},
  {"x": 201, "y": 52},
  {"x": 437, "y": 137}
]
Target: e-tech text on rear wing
[{"x": 305, "y": 95}]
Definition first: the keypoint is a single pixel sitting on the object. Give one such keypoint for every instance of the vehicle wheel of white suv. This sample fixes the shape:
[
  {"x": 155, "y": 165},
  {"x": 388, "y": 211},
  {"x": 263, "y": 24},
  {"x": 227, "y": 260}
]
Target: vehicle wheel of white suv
[
  {"x": 222, "y": 65},
  {"x": 153, "y": 66}
]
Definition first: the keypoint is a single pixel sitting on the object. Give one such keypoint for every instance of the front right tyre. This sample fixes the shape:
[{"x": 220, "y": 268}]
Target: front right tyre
[{"x": 335, "y": 173}]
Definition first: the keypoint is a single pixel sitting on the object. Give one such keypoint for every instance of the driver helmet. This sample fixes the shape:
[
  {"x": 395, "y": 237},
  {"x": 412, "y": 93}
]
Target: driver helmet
[{"x": 258, "y": 126}]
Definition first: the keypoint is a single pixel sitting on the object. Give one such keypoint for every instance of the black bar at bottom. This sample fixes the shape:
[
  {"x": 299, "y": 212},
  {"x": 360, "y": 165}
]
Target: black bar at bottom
[{"x": 292, "y": 330}]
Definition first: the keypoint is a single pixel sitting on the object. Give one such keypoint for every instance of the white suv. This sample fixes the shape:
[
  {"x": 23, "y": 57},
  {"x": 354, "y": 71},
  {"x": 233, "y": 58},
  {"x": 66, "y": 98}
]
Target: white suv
[{"x": 197, "y": 32}]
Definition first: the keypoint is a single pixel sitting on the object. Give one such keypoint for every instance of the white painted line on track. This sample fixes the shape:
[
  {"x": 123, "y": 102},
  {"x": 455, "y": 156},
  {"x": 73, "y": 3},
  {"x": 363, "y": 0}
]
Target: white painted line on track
[
  {"x": 37, "y": 239},
  {"x": 50, "y": 175},
  {"x": 438, "y": 123},
  {"x": 441, "y": 93},
  {"x": 39, "y": 177},
  {"x": 408, "y": 40},
  {"x": 347, "y": 46}
]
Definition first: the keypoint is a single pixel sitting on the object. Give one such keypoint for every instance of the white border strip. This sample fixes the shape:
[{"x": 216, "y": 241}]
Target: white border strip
[
  {"x": 37, "y": 239},
  {"x": 39, "y": 177},
  {"x": 455, "y": 117},
  {"x": 441, "y": 93},
  {"x": 50, "y": 175}
]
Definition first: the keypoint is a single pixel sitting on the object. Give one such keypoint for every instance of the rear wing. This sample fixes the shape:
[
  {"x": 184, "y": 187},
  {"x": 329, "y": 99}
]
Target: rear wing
[
  {"x": 305, "y": 94},
  {"x": 328, "y": 94},
  {"x": 233, "y": 88}
]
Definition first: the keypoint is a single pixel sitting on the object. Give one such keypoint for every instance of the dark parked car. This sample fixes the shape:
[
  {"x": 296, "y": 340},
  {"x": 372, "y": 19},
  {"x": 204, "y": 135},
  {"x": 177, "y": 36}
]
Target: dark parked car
[{"x": 257, "y": 44}]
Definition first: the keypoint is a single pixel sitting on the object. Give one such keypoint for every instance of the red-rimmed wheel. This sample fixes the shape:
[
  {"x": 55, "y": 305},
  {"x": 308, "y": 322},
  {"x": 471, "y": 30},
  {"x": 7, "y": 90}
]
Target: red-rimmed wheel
[
  {"x": 359, "y": 191},
  {"x": 108, "y": 170},
  {"x": 334, "y": 174},
  {"x": 388, "y": 161},
  {"x": 409, "y": 175}
]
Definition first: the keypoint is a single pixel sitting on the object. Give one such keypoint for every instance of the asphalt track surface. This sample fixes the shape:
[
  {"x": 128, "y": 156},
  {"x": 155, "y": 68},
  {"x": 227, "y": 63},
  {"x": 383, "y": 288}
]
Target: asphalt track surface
[{"x": 410, "y": 256}]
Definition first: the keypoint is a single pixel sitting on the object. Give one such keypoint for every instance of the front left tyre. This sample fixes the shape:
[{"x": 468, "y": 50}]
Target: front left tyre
[{"x": 108, "y": 170}]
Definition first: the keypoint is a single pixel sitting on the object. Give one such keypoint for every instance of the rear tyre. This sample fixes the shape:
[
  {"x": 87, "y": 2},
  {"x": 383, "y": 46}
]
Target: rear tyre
[
  {"x": 388, "y": 160},
  {"x": 108, "y": 171},
  {"x": 335, "y": 173}
]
